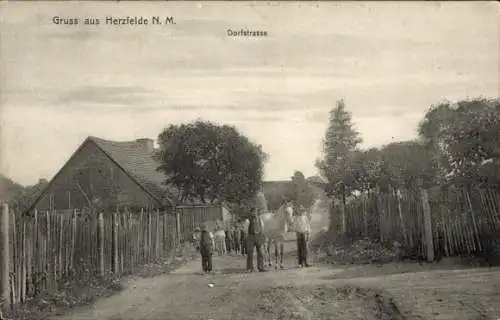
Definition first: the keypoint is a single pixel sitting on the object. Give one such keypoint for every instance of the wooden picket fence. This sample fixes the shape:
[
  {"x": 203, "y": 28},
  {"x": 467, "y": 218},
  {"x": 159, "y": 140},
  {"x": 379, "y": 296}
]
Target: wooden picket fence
[
  {"x": 192, "y": 216},
  {"x": 458, "y": 223},
  {"x": 48, "y": 247}
]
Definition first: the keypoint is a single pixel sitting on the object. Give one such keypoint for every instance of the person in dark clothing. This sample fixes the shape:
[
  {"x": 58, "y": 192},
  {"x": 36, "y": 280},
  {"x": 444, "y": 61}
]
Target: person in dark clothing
[
  {"x": 236, "y": 239},
  {"x": 255, "y": 240},
  {"x": 243, "y": 239},
  {"x": 303, "y": 230},
  {"x": 229, "y": 240},
  {"x": 206, "y": 249}
]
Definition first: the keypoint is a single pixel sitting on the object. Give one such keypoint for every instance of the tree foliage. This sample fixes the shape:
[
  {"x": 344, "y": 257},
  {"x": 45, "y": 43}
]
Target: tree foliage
[
  {"x": 406, "y": 165},
  {"x": 465, "y": 140},
  {"x": 341, "y": 140},
  {"x": 210, "y": 162},
  {"x": 24, "y": 196}
]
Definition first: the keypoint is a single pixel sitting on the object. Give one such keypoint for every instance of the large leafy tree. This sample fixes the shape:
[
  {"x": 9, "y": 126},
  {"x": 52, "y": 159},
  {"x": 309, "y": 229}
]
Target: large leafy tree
[
  {"x": 405, "y": 165},
  {"x": 210, "y": 162},
  {"x": 465, "y": 139}
]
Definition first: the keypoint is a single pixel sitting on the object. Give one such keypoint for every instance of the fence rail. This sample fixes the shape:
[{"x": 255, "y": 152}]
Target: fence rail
[
  {"x": 444, "y": 222},
  {"x": 41, "y": 251}
]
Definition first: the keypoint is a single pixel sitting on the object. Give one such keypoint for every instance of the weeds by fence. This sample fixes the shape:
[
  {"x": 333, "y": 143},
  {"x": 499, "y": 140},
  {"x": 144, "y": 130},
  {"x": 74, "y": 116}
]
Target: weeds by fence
[
  {"x": 459, "y": 222},
  {"x": 45, "y": 249}
]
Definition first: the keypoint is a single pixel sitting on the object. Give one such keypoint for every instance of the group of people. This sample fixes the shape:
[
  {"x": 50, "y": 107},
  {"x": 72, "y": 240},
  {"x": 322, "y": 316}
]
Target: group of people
[
  {"x": 222, "y": 241},
  {"x": 226, "y": 240},
  {"x": 247, "y": 237}
]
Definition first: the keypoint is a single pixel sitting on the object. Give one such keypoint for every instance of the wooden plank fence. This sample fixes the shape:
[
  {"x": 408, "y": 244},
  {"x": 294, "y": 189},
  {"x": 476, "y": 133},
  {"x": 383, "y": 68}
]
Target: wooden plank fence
[
  {"x": 449, "y": 223},
  {"x": 41, "y": 251},
  {"x": 192, "y": 216}
]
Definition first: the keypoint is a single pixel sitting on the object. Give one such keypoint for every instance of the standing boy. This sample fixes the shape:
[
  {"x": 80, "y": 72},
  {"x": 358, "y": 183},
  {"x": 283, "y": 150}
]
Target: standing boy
[{"x": 206, "y": 248}]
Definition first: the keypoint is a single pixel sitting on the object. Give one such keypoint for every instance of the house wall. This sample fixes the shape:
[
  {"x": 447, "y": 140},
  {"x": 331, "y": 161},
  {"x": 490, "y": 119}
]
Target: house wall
[{"x": 91, "y": 172}]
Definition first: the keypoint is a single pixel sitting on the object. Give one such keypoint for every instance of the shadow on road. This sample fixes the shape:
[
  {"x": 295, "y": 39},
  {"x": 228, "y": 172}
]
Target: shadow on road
[{"x": 230, "y": 271}]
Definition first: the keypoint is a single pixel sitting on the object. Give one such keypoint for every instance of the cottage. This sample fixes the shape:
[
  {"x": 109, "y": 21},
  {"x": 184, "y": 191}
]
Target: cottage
[{"x": 107, "y": 174}]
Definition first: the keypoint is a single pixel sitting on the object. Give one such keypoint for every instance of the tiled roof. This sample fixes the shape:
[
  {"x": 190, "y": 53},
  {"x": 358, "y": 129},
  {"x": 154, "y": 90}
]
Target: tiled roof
[{"x": 139, "y": 164}]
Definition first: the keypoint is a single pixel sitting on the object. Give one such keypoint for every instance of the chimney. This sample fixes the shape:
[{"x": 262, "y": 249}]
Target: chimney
[{"x": 146, "y": 144}]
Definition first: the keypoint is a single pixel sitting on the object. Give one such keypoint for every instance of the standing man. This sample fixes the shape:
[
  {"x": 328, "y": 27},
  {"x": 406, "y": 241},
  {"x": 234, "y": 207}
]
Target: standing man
[
  {"x": 243, "y": 237},
  {"x": 229, "y": 239},
  {"x": 236, "y": 238},
  {"x": 303, "y": 229},
  {"x": 255, "y": 239}
]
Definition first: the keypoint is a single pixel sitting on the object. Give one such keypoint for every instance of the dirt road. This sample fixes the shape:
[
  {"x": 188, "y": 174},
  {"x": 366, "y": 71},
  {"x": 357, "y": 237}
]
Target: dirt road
[{"x": 319, "y": 292}]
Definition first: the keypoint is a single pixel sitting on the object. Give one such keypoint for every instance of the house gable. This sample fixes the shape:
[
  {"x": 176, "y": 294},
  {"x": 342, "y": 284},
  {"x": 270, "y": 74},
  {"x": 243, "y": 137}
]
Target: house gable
[{"x": 91, "y": 175}]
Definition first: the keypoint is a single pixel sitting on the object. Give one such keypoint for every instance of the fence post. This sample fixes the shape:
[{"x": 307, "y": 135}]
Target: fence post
[
  {"x": 399, "y": 195},
  {"x": 115, "y": 243},
  {"x": 380, "y": 214},
  {"x": 5, "y": 262},
  {"x": 427, "y": 225},
  {"x": 101, "y": 244},
  {"x": 73, "y": 241},
  {"x": 157, "y": 239},
  {"x": 48, "y": 251},
  {"x": 150, "y": 233},
  {"x": 342, "y": 211},
  {"x": 178, "y": 225},
  {"x": 23, "y": 266}
]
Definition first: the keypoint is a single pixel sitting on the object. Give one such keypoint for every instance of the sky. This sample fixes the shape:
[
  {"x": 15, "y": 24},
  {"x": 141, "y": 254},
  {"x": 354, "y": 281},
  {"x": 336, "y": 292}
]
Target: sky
[{"x": 389, "y": 62}]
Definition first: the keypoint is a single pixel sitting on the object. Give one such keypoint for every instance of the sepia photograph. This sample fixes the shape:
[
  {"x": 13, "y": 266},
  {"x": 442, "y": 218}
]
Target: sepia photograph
[{"x": 221, "y": 160}]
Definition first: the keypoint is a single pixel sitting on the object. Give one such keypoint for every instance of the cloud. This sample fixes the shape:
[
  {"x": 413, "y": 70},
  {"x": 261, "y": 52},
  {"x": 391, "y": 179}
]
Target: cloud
[{"x": 117, "y": 95}]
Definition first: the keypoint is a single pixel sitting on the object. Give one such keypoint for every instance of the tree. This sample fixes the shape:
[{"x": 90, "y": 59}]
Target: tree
[
  {"x": 431, "y": 131},
  {"x": 404, "y": 165},
  {"x": 465, "y": 137},
  {"x": 24, "y": 196},
  {"x": 210, "y": 162},
  {"x": 340, "y": 141}
]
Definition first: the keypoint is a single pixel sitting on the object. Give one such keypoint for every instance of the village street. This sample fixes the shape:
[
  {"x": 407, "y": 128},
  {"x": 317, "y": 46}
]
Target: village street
[{"x": 319, "y": 292}]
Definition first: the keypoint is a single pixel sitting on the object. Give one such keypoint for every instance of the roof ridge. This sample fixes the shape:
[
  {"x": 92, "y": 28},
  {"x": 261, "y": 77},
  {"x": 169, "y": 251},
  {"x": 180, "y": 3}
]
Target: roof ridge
[{"x": 112, "y": 141}]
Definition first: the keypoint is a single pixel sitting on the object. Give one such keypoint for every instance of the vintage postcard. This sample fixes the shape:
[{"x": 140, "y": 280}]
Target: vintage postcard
[{"x": 249, "y": 160}]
